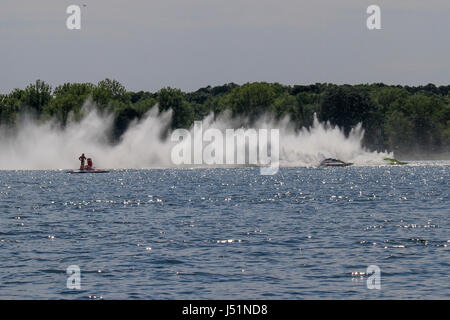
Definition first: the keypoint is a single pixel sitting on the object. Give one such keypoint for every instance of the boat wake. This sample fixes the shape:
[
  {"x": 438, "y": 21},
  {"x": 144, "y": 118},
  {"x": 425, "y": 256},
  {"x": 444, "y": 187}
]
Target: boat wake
[{"x": 34, "y": 145}]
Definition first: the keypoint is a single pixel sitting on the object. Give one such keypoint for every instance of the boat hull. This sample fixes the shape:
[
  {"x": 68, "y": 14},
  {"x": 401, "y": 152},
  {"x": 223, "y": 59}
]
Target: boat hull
[
  {"x": 88, "y": 171},
  {"x": 392, "y": 161},
  {"x": 336, "y": 165}
]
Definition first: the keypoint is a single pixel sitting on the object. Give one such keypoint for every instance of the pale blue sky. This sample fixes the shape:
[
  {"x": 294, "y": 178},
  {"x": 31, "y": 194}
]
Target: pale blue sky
[{"x": 150, "y": 44}]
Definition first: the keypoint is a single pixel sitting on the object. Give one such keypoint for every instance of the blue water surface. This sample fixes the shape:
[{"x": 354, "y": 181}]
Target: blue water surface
[{"x": 304, "y": 233}]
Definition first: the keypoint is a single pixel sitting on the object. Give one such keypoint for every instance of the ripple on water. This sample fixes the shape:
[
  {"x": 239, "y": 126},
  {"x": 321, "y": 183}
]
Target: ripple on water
[{"x": 221, "y": 233}]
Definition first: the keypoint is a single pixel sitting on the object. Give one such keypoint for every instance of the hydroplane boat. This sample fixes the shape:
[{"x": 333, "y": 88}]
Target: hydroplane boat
[
  {"x": 89, "y": 168},
  {"x": 330, "y": 162}
]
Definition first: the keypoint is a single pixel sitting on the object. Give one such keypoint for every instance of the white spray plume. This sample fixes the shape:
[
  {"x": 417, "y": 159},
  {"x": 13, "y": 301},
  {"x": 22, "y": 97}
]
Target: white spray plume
[{"x": 36, "y": 145}]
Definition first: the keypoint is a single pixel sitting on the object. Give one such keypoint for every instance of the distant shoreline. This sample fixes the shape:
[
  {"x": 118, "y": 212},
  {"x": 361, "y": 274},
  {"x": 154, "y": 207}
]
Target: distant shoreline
[
  {"x": 405, "y": 120},
  {"x": 427, "y": 157}
]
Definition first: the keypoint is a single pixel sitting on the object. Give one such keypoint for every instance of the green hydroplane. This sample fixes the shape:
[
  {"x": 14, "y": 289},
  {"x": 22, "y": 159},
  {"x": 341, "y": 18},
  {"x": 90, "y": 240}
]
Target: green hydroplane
[{"x": 393, "y": 161}]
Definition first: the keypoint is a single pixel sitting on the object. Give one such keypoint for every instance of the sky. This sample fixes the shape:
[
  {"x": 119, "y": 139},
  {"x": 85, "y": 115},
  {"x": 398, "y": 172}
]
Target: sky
[{"x": 189, "y": 44}]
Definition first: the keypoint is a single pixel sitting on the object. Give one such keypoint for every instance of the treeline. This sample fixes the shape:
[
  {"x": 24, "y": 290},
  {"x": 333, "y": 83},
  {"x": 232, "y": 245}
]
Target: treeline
[{"x": 402, "y": 119}]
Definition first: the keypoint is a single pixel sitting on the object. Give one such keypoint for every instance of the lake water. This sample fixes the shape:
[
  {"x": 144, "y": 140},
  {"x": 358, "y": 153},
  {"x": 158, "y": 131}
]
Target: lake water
[{"x": 227, "y": 233}]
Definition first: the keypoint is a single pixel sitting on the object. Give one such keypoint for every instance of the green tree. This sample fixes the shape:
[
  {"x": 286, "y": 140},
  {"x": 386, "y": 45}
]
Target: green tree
[
  {"x": 122, "y": 120},
  {"x": 37, "y": 95},
  {"x": 69, "y": 97},
  {"x": 346, "y": 106},
  {"x": 286, "y": 104},
  {"x": 252, "y": 99},
  {"x": 400, "y": 131},
  {"x": 143, "y": 105},
  {"x": 420, "y": 109},
  {"x": 107, "y": 90},
  {"x": 403, "y": 119},
  {"x": 183, "y": 114},
  {"x": 61, "y": 106},
  {"x": 75, "y": 89}
]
